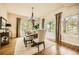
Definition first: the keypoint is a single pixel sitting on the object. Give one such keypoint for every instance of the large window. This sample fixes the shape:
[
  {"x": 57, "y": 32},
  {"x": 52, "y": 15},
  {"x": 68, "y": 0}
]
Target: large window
[
  {"x": 26, "y": 25},
  {"x": 51, "y": 28},
  {"x": 70, "y": 30}
]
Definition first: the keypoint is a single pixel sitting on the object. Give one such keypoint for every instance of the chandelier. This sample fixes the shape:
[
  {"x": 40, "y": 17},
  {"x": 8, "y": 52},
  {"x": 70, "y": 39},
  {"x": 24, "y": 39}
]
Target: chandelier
[{"x": 32, "y": 19}]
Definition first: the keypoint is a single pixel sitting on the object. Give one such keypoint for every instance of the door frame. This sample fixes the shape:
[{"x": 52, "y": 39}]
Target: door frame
[{"x": 18, "y": 27}]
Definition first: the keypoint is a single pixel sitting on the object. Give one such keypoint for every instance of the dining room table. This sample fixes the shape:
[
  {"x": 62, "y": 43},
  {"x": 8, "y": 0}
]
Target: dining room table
[{"x": 30, "y": 37}]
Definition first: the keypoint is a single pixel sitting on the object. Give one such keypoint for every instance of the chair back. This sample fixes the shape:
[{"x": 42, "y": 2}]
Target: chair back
[{"x": 41, "y": 35}]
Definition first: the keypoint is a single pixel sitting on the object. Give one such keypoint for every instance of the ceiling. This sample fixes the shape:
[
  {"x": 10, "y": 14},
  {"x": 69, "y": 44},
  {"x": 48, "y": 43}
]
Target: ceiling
[{"x": 40, "y": 9}]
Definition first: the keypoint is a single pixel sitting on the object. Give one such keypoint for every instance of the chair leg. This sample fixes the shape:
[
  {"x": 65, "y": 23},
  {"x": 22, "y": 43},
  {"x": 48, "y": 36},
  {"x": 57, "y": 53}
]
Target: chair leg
[
  {"x": 38, "y": 48},
  {"x": 31, "y": 41},
  {"x": 24, "y": 40},
  {"x": 44, "y": 45},
  {"x": 26, "y": 44}
]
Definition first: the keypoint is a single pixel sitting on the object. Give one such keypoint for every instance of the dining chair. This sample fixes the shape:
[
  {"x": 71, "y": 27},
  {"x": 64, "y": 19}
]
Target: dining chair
[
  {"x": 28, "y": 38},
  {"x": 40, "y": 40}
]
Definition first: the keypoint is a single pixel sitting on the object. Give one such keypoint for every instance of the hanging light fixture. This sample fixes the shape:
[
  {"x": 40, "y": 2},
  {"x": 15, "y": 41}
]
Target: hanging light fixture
[{"x": 32, "y": 19}]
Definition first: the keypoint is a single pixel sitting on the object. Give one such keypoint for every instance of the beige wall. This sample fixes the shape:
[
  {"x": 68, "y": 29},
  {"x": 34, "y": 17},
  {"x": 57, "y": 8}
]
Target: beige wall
[
  {"x": 3, "y": 11},
  {"x": 12, "y": 20}
]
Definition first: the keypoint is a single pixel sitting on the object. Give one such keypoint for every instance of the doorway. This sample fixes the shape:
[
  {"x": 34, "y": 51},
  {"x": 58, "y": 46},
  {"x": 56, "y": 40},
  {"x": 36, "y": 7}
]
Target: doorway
[{"x": 18, "y": 27}]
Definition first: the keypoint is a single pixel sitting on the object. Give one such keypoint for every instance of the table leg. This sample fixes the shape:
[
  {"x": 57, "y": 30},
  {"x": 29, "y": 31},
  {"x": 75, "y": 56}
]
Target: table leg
[{"x": 0, "y": 42}]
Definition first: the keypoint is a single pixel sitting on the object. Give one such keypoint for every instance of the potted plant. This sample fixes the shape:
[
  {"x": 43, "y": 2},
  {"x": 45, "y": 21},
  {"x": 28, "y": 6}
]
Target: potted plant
[{"x": 36, "y": 26}]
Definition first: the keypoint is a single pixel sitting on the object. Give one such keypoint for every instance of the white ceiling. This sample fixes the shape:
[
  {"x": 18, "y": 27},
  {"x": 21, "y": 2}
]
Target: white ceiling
[{"x": 40, "y": 9}]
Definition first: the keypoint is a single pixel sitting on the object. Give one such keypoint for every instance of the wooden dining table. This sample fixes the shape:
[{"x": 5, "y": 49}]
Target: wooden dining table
[
  {"x": 34, "y": 34},
  {"x": 31, "y": 36}
]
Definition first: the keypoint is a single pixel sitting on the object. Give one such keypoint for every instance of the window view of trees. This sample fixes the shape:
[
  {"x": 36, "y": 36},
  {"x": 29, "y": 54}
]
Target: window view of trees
[
  {"x": 26, "y": 25},
  {"x": 70, "y": 30},
  {"x": 51, "y": 29},
  {"x": 70, "y": 24},
  {"x": 50, "y": 26}
]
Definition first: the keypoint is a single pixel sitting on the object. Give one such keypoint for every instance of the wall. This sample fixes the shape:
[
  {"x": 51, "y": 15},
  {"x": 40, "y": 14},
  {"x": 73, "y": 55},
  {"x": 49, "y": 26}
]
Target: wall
[
  {"x": 12, "y": 19},
  {"x": 3, "y": 11}
]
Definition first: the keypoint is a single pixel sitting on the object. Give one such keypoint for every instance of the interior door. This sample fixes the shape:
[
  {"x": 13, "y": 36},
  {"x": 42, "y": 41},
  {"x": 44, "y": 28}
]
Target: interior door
[{"x": 18, "y": 27}]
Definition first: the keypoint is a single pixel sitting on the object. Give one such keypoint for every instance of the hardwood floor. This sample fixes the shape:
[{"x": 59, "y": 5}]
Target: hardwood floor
[
  {"x": 53, "y": 50},
  {"x": 58, "y": 50},
  {"x": 9, "y": 48}
]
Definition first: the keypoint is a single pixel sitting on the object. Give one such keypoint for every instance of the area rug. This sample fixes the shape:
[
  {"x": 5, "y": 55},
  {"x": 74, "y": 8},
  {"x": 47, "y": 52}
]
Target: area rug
[{"x": 20, "y": 48}]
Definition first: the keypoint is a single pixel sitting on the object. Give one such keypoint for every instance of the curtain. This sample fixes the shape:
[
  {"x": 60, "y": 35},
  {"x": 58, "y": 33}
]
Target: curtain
[
  {"x": 58, "y": 27},
  {"x": 43, "y": 21}
]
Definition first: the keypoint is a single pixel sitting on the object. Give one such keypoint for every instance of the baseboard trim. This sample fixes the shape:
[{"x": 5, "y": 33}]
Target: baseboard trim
[{"x": 73, "y": 47}]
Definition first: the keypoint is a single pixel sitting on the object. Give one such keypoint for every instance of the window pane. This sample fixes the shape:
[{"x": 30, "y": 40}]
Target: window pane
[{"x": 70, "y": 30}]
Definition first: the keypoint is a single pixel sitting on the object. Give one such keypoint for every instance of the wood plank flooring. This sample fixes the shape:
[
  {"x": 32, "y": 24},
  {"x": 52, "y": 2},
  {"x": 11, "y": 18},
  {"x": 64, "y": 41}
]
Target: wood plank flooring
[
  {"x": 58, "y": 50},
  {"x": 53, "y": 50},
  {"x": 9, "y": 48}
]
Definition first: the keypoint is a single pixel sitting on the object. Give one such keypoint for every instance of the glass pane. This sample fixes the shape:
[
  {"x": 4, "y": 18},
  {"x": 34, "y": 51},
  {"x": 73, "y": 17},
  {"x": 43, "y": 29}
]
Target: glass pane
[
  {"x": 26, "y": 25},
  {"x": 70, "y": 30},
  {"x": 50, "y": 27}
]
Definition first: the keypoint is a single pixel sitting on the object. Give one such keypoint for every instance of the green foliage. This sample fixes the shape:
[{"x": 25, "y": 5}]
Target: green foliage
[
  {"x": 36, "y": 26},
  {"x": 52, "y": 26},
  {"x": 72, "y": 23}
]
